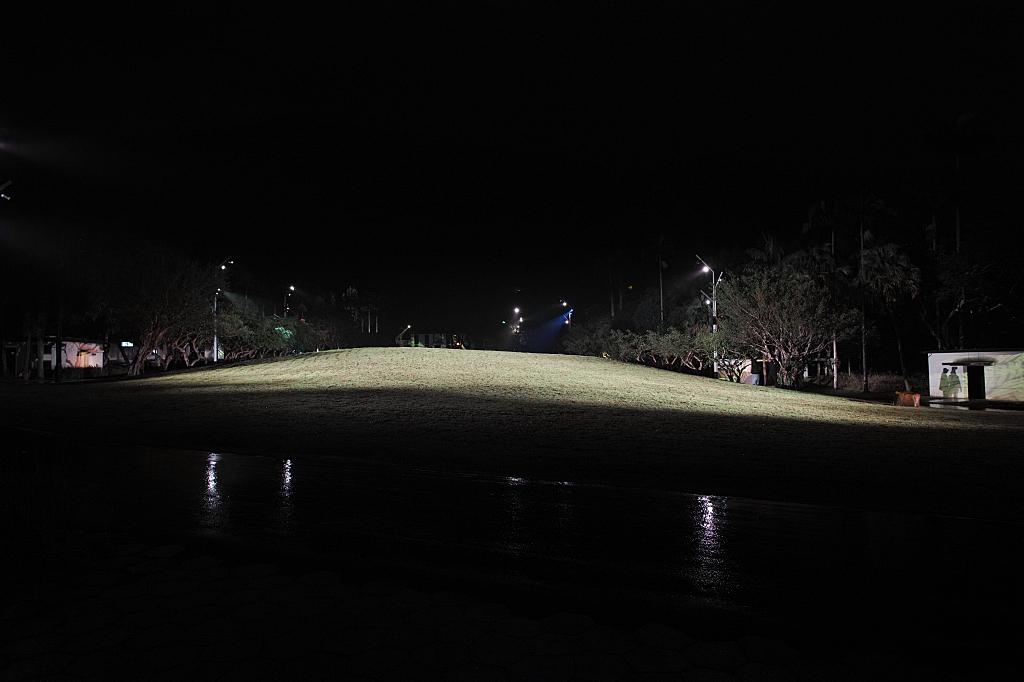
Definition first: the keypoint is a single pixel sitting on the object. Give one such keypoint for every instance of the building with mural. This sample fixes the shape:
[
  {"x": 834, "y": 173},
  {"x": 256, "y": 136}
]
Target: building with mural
[{"x": 976, "y": 375}]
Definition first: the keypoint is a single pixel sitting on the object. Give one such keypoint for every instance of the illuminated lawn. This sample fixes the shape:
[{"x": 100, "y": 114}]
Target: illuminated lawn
[{"x": 559, "y": 417}]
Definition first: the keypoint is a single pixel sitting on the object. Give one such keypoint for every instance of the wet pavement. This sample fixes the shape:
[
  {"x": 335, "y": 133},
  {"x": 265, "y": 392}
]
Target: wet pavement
[
  {"x": 156, "y": 613},
  {"x": 380, "y": 572}
]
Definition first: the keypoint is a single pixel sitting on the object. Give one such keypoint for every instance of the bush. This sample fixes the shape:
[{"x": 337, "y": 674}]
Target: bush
[
  {"x": 878, "y": 382},
  {"x": 79, "y": 373}
]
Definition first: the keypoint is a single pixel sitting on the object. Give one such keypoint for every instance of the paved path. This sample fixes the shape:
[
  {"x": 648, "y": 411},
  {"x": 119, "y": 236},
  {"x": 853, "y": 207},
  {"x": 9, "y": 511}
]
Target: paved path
[{"x": 137, "y": 612}]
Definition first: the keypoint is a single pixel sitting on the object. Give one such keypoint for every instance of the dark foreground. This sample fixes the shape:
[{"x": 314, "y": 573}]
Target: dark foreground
[{"x": 318, "y": 567}]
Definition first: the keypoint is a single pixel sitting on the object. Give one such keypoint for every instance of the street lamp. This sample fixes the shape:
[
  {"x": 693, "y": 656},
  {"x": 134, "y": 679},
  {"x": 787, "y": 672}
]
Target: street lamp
[
  {"x": 567, "y": 315},
  {"x": 216, "y": 349},
  {"x": 713, "y": 298},
  {"x": 287, "y": 293},
  {"x": 398, "y": 339}
]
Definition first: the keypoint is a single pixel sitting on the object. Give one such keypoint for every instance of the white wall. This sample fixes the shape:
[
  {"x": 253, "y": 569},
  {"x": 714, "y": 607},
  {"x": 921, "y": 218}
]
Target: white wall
[
  {"x": 1004, "y": 380},
  {"x": 80, "y": 354}
]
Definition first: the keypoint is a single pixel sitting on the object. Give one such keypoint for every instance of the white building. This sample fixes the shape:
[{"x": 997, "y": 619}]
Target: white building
[
  {"x": 80, "y": 354},
  {"x": 981, "y": 374}
]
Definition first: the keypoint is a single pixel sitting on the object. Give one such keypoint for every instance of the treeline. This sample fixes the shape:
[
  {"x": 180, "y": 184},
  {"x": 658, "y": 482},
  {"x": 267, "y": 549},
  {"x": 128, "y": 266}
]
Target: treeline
[
  {"x": 170, "y": 308},
  {"x": 805, "y": 306},
  {"x": 179, "y": 306},
  {"x": 776, "y": 310},
  {"x": 925, "y": 264}
]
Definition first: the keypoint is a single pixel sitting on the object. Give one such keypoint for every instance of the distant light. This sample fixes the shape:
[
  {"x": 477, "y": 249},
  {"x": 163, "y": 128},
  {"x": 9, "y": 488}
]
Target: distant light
[
  {"x": 520, "y": 319},
  {"x": 708, "y": 301},
  {"x": 223, "y": 267},
  {"x": 567, "y": 321},
  {"x": 516, "y": 311},
  {"x": 706, "y": 269},
  {"x": 127, "y": 344},
  {"x": 564, "y": 304},
  {"x": 291, "y": 288}
]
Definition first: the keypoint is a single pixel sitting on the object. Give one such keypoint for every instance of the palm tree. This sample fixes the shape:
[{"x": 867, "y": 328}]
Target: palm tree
[
  {"x": 825, "y": 216},
  {"x": 891, "y": 279},
  {"x": 869, "y": 209},
  {"x": 960, "y": 137},
  {"x": 611, "y": 266}
]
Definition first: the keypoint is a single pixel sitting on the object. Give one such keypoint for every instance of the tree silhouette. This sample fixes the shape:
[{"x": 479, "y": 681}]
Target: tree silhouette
[
  {"x": 778, "y": 316},
  {"x": 825, "y": 217},
  {"x": 958, "y": 281},
  {"x": 869, "y": 209},
  {"x": 891, "y": 279},
  {"x": 820, "y": 265},
  {"x": 611, "y": 266},
  {"x": 160, "y": 297},
  {"x": 961, "y": 137}
]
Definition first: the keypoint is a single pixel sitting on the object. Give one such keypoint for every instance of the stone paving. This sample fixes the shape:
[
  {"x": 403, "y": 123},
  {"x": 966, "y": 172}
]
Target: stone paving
[{"x": 156, "y": 613}]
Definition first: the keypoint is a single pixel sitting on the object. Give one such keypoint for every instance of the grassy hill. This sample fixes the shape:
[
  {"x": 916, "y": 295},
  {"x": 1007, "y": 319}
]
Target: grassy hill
[{"x": 556, "y": 417}]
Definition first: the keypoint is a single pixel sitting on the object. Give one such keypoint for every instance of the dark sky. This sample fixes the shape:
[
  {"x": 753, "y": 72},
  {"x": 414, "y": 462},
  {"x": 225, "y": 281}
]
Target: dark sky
[{"x": 445, "y": 155}]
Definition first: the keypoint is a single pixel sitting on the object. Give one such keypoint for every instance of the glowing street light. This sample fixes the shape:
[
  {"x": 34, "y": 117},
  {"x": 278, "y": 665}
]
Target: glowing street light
[
  {"x": 286, "y": 295},
  {"x": 398, "y": 339},
  {"x": 216, "y": 349},
  {"x": 712, "y": 300}
]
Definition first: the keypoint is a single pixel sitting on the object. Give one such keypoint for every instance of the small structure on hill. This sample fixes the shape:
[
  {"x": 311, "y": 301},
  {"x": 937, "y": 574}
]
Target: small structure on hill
[{"x": 978, "y": 374}]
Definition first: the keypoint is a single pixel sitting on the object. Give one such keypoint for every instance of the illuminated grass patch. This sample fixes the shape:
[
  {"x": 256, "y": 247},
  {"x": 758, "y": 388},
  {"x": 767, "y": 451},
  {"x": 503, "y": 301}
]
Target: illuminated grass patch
[
  {"x": 559, "y": 418},
  {"x": 547, "y": 380}
]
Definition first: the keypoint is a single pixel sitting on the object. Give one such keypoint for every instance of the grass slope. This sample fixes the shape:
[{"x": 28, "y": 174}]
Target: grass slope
[{"x": 560, "y": 417}]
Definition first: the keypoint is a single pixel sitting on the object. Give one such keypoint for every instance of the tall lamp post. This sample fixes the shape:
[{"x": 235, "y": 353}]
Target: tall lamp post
[
  {"x": 713, "y": 298},
  {"x": 286, "y": 295},
  {"x": 216, "y": 349},
  {"x": 661, "y": 285},
  {"x": 3, "y": 359}
]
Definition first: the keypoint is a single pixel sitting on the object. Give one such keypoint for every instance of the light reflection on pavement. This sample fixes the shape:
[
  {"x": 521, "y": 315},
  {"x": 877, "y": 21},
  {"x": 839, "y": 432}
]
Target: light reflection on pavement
[{"x": 940, "y": 577}]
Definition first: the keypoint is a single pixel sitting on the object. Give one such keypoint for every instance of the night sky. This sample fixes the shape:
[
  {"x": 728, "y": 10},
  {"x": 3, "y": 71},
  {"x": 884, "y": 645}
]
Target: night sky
[{"x": 443, "y": 157}]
